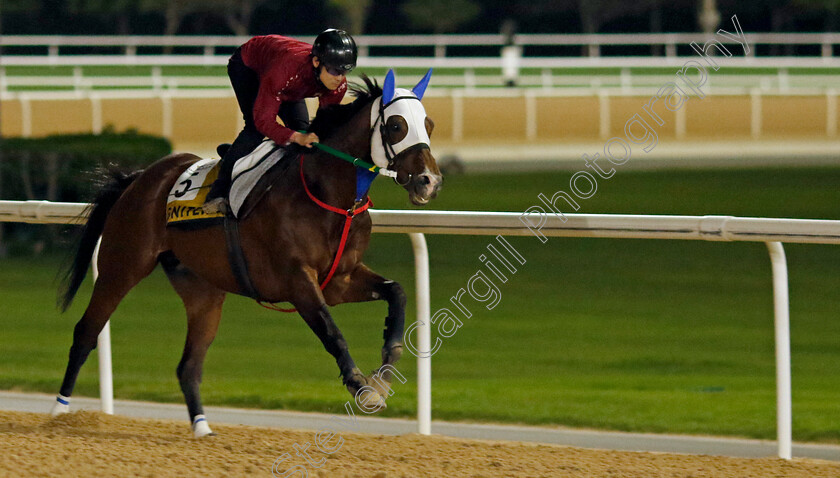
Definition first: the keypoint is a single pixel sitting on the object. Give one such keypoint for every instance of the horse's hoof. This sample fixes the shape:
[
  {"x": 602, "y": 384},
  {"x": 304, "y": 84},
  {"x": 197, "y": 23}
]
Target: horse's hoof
[
  {"x": 392, "y": 354},
  {"x": 380, "y": 382},
  {"x": 201, "y": 428},
  {"x": 61, "y": 406},
  {"x": 355, "y": 382},
  {"x": 364, "y": 392},
  {"x": 382, "y": 388},
  {"x": 369, "y": 400}
]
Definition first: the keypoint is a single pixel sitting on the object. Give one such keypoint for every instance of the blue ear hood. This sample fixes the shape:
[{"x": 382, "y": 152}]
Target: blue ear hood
[
  {"x": 388, "y": 88},
  {"x": 421, "y": 86}
]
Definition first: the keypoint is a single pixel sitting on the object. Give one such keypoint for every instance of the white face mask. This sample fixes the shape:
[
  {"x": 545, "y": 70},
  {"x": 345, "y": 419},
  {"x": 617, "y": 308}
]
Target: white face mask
[
  {"x": 398, "y": 102},
  {"x": 406, "y": 104}
]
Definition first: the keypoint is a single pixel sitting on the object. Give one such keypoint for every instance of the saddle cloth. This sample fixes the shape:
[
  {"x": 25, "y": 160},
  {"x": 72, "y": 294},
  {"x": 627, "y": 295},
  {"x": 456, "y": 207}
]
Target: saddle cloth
[{"x": 183, "y": 205}]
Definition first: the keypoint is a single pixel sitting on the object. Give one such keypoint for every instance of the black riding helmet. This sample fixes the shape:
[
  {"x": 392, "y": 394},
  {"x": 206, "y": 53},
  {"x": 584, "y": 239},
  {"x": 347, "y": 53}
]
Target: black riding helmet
[{"x": 336, "y": 50}]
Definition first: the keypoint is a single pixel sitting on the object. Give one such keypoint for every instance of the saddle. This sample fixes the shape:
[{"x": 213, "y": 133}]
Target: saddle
[{"x": 251, "y": 178}]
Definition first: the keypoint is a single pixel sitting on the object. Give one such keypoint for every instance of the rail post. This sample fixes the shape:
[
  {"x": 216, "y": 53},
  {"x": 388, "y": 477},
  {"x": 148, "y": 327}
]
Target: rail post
[
  {"x": 784, "y": 415},
  {"x": 424, "y": 334},
  {"x": 103, "y": 347}
]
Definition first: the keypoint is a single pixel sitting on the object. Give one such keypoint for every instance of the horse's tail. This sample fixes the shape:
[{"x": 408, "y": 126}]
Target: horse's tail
[{"x": 115, "y": 184}]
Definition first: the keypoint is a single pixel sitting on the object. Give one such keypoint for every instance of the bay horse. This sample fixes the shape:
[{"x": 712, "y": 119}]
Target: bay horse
[{"x": 289, "y": 242}]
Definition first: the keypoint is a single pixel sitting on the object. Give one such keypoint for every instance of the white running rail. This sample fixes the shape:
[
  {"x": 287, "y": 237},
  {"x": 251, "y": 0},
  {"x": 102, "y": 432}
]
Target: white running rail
[
  {"x": 773, "y": 232},
  {"x": 814, "y": 62},
  {"x": 208, "y": 44}
]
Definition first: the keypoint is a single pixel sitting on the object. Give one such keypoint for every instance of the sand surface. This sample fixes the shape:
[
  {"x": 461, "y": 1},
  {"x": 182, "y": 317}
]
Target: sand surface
[{"x": 89, "y": 444}]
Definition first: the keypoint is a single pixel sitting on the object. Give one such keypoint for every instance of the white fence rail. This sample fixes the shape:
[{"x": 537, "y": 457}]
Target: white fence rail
[
  {"x": 53, "y": 44},
  {"x": 51, "y": 50},
  {"x": 547, "y": 78},
  {"x": 442, "y": 53},
  {"x": 773, "y": 232},
  {"x": 438, "y": 62}
]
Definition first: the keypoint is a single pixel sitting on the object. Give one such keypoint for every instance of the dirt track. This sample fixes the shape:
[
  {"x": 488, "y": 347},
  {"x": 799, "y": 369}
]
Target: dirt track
[{"x": 93, "y": 444}]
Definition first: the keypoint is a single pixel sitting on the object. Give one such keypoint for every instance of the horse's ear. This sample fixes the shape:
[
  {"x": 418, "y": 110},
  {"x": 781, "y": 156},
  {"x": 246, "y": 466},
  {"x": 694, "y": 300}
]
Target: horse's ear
[
  {"x": 421, "y": 87},
  {"x": 388, "y": 87}
]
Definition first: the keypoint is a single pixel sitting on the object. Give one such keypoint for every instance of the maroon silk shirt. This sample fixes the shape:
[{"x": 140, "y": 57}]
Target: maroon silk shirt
[{"x": 286, "y": 74}]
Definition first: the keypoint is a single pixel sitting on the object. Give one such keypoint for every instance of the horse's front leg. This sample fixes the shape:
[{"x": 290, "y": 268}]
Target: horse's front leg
[
  {"x": 312, "y": 306},
  {"x": 366, "y": 285}
]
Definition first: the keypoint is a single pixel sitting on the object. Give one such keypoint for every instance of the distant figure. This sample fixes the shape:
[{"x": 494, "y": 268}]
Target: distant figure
[
  {"x": 511, "y": 53},
  {"x": 272, "y": 75}
]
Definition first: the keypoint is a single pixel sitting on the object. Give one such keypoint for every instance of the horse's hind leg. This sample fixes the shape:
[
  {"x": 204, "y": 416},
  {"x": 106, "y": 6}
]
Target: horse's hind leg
[
  {"x": 118, "y": 274},
  {"x": 204, "y": 311}
]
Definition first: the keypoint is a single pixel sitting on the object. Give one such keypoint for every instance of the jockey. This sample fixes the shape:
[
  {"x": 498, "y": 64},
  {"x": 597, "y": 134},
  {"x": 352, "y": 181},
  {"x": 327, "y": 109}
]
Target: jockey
[{"x": 271, "y": 75}]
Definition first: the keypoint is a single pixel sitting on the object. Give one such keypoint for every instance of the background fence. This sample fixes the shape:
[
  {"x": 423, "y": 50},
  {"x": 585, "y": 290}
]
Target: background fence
[
  {"x": 666, "y": 45},
  {"x": 569, "y": 88},
  {"x": 535, "y": 60},
  {"x": 203, "y": 118},
  {"x": 582, "y": 79}
]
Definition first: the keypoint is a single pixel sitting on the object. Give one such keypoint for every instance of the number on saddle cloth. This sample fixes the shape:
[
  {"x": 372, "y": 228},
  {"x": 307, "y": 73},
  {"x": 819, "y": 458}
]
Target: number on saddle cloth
[{"x": 183, "y": 204}]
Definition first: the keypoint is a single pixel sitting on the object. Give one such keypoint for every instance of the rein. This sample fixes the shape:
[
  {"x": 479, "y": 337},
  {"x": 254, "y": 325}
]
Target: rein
[
  {"x": 348, "y": 214},
  {"x": 358, "y": 162}
]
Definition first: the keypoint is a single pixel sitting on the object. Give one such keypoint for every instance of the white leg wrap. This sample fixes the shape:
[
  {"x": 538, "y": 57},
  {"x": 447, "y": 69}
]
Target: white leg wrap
[
  {"x": 62, "y": 405},
  {"x": 200, "y": 427}
]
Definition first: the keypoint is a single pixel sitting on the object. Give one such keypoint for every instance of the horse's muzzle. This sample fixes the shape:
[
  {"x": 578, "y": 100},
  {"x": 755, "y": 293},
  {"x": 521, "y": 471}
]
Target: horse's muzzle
[{"x": 424, "y": 187}]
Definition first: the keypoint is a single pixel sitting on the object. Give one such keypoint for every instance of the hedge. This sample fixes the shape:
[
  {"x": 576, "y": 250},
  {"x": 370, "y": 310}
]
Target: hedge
[{"x": 62, "y": 167}]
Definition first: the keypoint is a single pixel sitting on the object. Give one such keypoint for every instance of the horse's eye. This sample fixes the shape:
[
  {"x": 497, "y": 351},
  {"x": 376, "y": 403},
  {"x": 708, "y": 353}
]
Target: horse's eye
[{"x": 396, "y": 128}]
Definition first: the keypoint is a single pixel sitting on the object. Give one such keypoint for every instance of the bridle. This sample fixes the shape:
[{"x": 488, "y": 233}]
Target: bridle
[{"x": 386, "y": 155}]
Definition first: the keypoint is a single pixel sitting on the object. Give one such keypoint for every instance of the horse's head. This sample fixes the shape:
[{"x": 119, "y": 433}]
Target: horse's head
[{"x": 400, "y": 139}]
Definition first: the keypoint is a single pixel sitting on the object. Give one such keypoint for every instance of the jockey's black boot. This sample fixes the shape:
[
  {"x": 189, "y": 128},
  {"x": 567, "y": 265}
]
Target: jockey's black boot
[{"x": 223, "y": 149}]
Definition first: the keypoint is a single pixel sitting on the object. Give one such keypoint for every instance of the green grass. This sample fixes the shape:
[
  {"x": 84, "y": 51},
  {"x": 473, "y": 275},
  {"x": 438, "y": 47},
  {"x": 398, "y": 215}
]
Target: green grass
[
  {"x": 609, "y": 76},
  {"x": 637, "y": 335}
]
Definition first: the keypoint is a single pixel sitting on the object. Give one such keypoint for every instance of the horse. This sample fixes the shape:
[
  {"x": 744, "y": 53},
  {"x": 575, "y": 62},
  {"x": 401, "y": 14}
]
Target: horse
[{"x": 288, "y": 240}]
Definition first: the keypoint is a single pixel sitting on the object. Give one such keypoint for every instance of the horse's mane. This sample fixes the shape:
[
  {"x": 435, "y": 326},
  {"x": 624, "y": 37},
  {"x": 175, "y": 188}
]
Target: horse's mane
[{"x": 329, "y": 119}]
